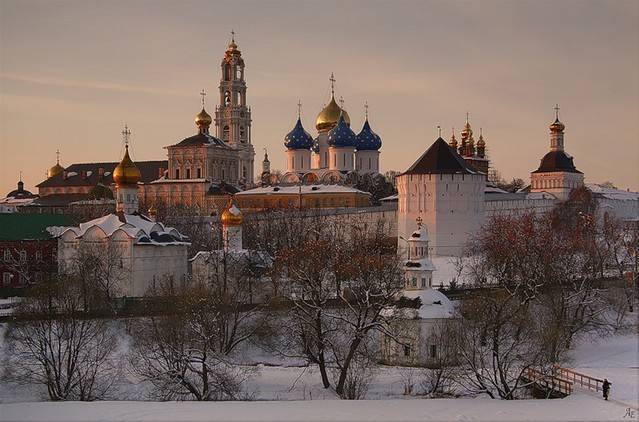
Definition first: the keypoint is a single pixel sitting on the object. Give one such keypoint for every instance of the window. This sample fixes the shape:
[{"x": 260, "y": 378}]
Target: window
[
  {"x": 242, "y": 133},
  {"x": 23, "y": 279},
  {"x": 7, "y": 255},
  {"x": 407, "y": 350},
  {"x": 433, "y": 351},
  {"x": 39, "y": 255},
  {"x": 188, "y": 173},
  {"x": 23, "y": 256},
  {"x": 199, "y": 173},
  {"x": 177, "y": 173},
  {"x": 423, "y": 282},
  {"x": 6, "y": 278},
  {"x": 413, "y": 282},
  {"x": 225, "y": 133}
]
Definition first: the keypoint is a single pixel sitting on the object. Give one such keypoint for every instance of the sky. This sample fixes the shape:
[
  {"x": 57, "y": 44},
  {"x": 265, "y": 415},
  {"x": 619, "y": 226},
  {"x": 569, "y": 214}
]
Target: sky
[{"x": 74, "y": 73}]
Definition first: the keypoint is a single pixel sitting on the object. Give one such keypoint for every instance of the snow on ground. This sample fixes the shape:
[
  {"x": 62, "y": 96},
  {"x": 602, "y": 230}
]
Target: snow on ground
[{"x": 295, "y": 394}]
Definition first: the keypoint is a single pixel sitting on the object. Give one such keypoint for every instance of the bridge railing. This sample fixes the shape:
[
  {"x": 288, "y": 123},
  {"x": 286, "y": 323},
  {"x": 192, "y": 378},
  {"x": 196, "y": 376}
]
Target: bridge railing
[{"x": 582, "y": 380}]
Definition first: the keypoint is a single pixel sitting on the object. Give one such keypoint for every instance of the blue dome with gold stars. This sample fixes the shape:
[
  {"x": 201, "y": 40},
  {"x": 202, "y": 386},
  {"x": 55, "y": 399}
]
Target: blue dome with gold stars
[
  {"x": 316, "y": 148},
  {"x": 367, "y": 140},
  {"x": 298, "y": 138},
  {"x": 341, "y": 135}
]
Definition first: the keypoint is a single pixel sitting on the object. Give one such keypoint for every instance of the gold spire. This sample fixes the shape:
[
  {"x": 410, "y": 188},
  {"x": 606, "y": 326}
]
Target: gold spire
[
  {"x": 453, "y": 140},
  {"x": 557, "y": 126},
  {"x": 329, "y": 116},
  {"x": 232, "y": 51},
  {"x": 467, "y": 132},
  {"x": 232, "y": 216},
  {"x": 126, "y": 173},
  {"x": 57, "y": 168},
  {"x": 481, "y": 143}
]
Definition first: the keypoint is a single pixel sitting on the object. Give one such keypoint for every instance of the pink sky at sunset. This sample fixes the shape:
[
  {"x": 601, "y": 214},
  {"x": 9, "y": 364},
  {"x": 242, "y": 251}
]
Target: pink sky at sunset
[{"x": 74, "y": 73}]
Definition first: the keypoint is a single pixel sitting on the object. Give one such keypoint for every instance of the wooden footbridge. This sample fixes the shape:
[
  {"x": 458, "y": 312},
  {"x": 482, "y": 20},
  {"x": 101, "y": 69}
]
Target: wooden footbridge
[{"x": 562, "y": 381}]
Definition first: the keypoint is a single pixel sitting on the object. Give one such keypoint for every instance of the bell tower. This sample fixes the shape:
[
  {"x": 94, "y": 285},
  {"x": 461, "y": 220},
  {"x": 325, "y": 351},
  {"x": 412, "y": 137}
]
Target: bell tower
[{"x": 232, "y": 116}]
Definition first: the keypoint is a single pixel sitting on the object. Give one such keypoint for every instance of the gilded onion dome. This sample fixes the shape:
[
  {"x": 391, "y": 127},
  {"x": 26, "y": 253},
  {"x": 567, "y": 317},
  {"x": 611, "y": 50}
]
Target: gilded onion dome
[
  {"x": 298, "y": 138},
  {"x": 232, "y": 216},
  {"x": 55, "y": 170},
  {"x": 467, "y": 132},
  {"x": 341, "y": 135},
  {"x": 367, "y": 140},
  {"x": 329, "y": 116},
  {"x": 453, "y": 141},
  {"x": 126, "y": 173},
  {"x": 557, "y": 126},
  {"x": 203, "y": 119},
  {"x": 480, "y": 142}
]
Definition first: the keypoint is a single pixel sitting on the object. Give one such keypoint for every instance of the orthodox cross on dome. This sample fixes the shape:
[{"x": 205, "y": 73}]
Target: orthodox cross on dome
[
  {"x": 467, "y": 116},
  {"x": 57, "y": 153},
  {"x": 366, "y": 107},
  {"x": 419, "y": 222},
  {"x": 126, "y": 133},
  {"x": 233, "y": 36},
  {"x": 439, "y": 131},
  {"x": 332, "y": 79},
  {"x": 20, "y": 176},
  {"x": 299, "y": 108},
  {"x": 557, "y": 111},
  {"x": 203, "y": 94}
]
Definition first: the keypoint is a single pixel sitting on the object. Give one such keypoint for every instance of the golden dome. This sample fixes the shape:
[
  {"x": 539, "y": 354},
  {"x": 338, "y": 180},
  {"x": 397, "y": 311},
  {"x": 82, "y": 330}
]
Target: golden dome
[
  {"x": 153, "y": 212},
  {"x": 232, "y": 216},
  {"x": 55, "y": 170},
  {"x": 329, "y": 116},
  {"x": 453, "y": 141},
  {"x": 557, "y": 126},
  {"x": 481, "y": 143},
  {"x": 203, "y": 119},
  {"x": 126, "y": 173}
]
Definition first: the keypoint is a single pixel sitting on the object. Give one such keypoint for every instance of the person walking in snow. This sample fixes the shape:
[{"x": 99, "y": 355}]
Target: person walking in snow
[{"x": 606, "y": 388}]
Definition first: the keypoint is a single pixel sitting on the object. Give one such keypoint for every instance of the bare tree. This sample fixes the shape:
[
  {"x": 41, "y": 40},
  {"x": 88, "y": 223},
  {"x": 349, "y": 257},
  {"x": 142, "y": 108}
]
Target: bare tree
[
  {"x": 440, "y": 373},
  {"x": 176, "y": 347},
  {"x": 52, "y": 340}
]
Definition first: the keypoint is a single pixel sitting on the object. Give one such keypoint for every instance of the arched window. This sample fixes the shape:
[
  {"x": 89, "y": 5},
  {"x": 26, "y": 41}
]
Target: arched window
[
  {"x": 227, "y": 72},
  {"x": 242, "y": 133},
  {"x": 227, "y": 98},
  {"x": 225, "y": 133}
]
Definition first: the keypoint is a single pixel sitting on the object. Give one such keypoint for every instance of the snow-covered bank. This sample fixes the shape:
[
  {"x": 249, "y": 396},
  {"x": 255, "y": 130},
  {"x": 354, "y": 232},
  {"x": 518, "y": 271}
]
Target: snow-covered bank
[
  {"x": 295, "y": 394},
  {"x": 579, "y": 407}
]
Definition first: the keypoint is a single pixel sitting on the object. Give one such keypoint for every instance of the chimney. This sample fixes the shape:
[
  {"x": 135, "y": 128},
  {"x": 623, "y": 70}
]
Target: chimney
[
  {"x": 161, "y": 172},
  {"x": 65, "y": 175},
  {"x": 100, "y": 173},
  {"x": 84, "y": 175}
]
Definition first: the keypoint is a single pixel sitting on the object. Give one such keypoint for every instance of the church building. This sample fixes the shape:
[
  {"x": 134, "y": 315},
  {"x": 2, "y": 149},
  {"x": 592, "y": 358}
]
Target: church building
[{"x": 201, "y": 170}]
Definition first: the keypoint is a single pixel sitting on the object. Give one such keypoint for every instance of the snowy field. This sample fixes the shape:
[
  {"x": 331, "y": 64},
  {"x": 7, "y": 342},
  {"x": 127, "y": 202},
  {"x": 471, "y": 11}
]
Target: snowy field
[{"x": 294, "y": 394}]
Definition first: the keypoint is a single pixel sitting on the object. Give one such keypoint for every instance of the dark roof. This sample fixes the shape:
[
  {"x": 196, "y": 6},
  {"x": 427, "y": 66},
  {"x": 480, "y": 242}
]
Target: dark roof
[
  {"x": 222, "y": 189},
  {"x": 202, "y": 139},
  {"x": 440, "y": 158},
  {"x": 30, "y": 226},
  {"x": 59, "y": 200},
  {"x": 556, "y": 161},
  {"x": 21, "y": 193},
  {"x": 149, "y": 171}
]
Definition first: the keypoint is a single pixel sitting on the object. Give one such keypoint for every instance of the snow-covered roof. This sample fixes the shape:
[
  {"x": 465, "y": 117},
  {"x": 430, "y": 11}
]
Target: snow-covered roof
[
  {"x": 434, "y": 304},
  {"x": 613, "y": 193},
  {"x": 421, "y": 264},
  {"x": 138, "y": 226},
  {"x": 304, "y": 189}
]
